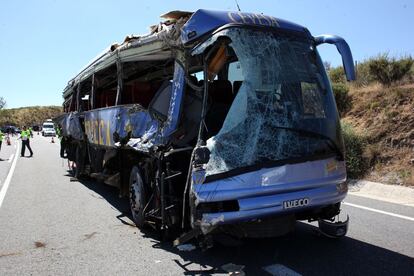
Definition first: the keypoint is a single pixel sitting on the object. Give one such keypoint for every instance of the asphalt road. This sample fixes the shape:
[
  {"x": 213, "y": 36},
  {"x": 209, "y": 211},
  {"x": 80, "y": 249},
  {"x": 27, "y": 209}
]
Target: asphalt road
[{"x": 52, "y": 226}]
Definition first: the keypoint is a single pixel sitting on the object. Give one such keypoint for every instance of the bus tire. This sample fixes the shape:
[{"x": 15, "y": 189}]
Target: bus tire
[{"x": 137, "y": 197}]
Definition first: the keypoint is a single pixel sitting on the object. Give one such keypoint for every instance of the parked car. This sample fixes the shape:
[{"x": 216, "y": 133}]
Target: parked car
[
  {"x": 48, "y": 129},
  {"x": 10, "y": 129}
]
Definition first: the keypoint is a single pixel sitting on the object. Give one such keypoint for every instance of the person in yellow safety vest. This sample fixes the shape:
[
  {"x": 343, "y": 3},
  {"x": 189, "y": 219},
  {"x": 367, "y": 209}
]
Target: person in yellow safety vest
[{"x": 25, "y": 135}]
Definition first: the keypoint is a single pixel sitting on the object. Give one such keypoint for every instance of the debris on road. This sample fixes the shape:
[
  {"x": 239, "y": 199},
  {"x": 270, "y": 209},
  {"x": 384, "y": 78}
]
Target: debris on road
[
  {"x": 9, "y": 254},
  {"x": 89, "y": 236},
  {"x": 234, "y": 269},
  {"x": 278, "y": 269},
  {"x": 39, "y": 244},
  {"x": 186, "y": 247}
]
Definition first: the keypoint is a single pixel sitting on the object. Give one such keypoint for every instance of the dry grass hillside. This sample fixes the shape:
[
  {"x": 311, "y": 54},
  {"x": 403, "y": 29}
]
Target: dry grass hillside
[
  {"x": 384, "y": 118},
  {"x": 28, "y": 115}
]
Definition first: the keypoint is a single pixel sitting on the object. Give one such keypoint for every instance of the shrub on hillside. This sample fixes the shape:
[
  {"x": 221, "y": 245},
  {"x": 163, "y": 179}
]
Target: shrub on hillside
[
  {"x": 342, "y": 98},
  {"x": 28, "y": 115},
  {"x": 363, "y": 75},
  {"x": 354, "y": 148},
  {"x": 337, "y": 75},
  {"x": 388, "y": 70}
]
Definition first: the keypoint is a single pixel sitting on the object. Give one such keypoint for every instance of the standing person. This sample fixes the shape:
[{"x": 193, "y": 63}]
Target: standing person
[
  {"x": 1, "y": 138},
  {"x": 24, "y": 135},
  {"x": 62, "y": 140},
  {"x": 8, "y": 139},
  {"x": 31, "y": 131}
]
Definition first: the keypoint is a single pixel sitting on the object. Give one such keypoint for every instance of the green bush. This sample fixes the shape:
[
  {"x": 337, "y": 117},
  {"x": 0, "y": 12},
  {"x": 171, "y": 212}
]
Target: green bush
[
  {"x": 363, "y": 75},
  {"x": 342, "y": 98},
  {"x": 388, "y": 70},
  {"x": 354, "y": 149},
  {"x": 337, "y": 75}
]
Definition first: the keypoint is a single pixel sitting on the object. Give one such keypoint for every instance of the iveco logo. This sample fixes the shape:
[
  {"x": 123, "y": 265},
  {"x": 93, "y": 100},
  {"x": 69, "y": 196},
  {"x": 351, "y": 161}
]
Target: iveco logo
[{"x": 295, "y": 203}]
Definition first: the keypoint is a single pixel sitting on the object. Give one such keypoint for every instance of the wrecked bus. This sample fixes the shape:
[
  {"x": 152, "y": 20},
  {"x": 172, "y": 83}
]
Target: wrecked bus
[{"x": 214, "y": 121}]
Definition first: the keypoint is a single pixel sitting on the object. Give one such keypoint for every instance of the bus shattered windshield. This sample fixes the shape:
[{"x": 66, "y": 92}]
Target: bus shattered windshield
[{"x": 284, "y": 110}]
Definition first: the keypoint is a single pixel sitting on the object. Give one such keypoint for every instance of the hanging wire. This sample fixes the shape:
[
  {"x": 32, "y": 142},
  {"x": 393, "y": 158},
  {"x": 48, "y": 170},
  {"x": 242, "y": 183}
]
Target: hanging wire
[{"x": 237, "y": 4}]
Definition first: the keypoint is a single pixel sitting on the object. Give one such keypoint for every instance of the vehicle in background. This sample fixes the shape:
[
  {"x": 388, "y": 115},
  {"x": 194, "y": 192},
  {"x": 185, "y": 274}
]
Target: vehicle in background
[
  {"x": 37, "y": 127},
  {"x": 48, "y": 128},
  {"x": 215, "y": 121},
  {"x": 10, "y": 129}
]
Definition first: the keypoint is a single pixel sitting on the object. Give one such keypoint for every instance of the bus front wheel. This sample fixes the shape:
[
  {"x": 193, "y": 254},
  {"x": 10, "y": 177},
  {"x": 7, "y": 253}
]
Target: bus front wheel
[{"x": 137, "y": 197}]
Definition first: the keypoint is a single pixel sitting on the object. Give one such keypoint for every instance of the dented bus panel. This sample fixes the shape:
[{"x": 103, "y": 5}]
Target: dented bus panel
[{"x": 215, "y": 121}]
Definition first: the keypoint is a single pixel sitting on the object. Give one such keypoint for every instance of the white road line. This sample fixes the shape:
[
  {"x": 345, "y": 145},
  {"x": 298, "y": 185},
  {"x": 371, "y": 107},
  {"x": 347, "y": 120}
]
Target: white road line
[
  {"x": 8, "y": 178},
  {"x": 379, "y": 211},
  {"x": 10, "y": 158}
]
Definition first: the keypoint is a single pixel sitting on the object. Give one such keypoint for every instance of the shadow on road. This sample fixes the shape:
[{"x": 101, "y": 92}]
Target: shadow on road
[
  {"x": 303, "y": 250},
  {"x": 110, "y": 194}
]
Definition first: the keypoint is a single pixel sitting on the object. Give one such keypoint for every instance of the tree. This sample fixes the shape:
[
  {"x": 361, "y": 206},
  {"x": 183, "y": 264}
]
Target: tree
[
  {"x": 2, "y": 102},
  {"x": 3, "y": 112},
  {"x": 327, "y": 65}
]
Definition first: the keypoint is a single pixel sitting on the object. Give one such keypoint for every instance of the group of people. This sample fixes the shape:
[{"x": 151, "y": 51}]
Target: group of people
[
  {"x": 25, "y": 136},
  {"x": 1, "y": 138},
  {"x": 27, "y": 133}
]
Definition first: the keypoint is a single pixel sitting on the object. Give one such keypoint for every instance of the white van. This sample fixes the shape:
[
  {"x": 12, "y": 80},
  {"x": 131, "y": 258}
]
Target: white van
[{"x": 48, "y": 128}]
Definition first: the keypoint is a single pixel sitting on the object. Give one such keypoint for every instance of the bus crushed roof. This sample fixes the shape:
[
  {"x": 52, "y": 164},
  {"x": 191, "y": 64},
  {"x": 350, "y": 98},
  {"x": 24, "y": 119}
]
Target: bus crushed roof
[
  {"x": 178, "y": 29},
  {"x": 205, "y": 21}
]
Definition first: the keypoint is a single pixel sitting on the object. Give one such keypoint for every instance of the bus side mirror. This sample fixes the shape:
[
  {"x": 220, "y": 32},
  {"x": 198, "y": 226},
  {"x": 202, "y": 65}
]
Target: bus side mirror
[{"x": 343, "y": 49}]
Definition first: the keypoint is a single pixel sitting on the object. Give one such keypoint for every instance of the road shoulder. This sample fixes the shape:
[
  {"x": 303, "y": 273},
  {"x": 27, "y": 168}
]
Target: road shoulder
[{"x": 389, "y": 193}]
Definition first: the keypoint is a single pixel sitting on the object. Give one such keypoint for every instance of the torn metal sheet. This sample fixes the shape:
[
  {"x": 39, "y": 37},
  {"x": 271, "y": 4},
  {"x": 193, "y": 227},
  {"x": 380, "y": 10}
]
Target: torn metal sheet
[
  {"x": 208, "y": 225},
  {"x": 133, "y": 120},
  {"x": 153, "y": 46},
  {"x": 101, "y": 124},
  {"x": 71, "y": 126},
  {"x": 176, "y": 100},
  {"x": 186, "y": 247},
  {"x": 176, "y": 14}
]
